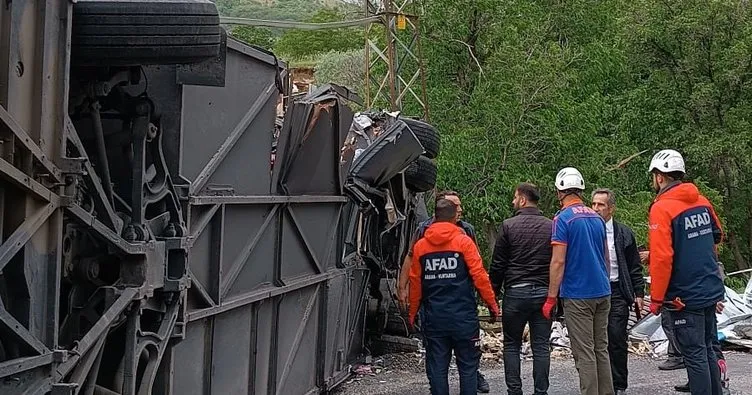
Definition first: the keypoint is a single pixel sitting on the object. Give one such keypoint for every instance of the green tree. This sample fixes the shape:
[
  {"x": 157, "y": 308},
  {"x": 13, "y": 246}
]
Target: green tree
[
  {"x": 254, "y": 35},
  {"x": 342, "y": 68},
  {"x": 521, "y": 89},
  {"x": 300, "y": 44},
  {"x": 291, "y": 10},
  {"x": 696, "y": 57}
]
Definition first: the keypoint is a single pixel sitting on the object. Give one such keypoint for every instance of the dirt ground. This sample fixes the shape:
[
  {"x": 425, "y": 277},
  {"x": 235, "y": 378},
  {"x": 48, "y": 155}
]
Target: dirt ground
[{"x": 405, "y": 374}]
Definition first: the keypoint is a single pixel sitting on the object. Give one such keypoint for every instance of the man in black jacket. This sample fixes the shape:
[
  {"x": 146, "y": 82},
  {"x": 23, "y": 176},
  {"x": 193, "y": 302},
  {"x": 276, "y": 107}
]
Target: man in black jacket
[
  {"x": 627, "y": 284},
  {"x": 520, "y": 267}
]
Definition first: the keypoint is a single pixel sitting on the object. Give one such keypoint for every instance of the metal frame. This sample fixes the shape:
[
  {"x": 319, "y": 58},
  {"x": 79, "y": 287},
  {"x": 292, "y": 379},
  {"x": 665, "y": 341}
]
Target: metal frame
[{"x": 395, "y": 74}]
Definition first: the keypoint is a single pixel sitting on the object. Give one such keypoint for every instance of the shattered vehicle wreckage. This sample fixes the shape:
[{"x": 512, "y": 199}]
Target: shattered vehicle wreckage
[{"x": 157, "y": 237}]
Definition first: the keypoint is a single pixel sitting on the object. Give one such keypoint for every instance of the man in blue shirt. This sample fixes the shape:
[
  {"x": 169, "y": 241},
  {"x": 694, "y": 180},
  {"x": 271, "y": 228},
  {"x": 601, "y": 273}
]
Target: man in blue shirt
[{"x": 579, "y": 275}]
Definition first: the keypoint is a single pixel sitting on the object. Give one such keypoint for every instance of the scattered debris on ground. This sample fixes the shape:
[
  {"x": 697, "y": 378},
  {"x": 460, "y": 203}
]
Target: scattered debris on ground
[
  {"x": 734, "y": 326},
  {"x": 401, "y": 355}
]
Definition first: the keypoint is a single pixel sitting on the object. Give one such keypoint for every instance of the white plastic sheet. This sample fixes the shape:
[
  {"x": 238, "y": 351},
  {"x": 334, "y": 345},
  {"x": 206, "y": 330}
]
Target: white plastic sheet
[{"x": 737, "y": 311}]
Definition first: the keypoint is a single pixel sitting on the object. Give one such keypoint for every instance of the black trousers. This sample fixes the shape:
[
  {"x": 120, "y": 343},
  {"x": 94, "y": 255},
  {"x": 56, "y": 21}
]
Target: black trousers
[
  {"x": 521, "y": 306},
  {"x": 466, "y": 347},
  {"x": 618, "y": 318},
  {"x": 668, "y": 329},
  {"x": 673, "y": 350},
  {"x": 696, "y": 334}
]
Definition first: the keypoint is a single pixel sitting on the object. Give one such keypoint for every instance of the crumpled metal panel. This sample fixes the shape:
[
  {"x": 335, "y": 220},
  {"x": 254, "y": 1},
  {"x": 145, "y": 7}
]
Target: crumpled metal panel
[
  {"x": 391, "y": 152},
  {"x": 308, "y": 150}
]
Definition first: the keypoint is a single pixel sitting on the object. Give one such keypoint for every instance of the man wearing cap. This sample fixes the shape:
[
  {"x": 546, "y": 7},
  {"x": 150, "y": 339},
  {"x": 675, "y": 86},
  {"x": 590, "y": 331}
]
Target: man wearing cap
[
  {"x": 685, "y": 279},
  {"x": 579, "y": 275}
]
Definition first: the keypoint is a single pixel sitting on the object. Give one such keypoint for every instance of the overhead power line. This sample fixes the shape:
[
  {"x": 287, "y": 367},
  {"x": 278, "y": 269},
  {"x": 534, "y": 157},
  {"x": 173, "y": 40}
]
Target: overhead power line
[{"x": 298, "y": 25}]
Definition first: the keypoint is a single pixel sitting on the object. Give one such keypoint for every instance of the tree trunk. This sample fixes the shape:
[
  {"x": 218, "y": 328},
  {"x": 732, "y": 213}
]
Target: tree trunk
[{"x": 739, "y": 260}]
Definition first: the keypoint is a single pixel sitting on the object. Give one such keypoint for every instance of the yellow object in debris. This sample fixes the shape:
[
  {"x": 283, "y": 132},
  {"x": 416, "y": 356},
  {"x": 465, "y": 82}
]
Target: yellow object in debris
[{"x": 401, "y": 22}]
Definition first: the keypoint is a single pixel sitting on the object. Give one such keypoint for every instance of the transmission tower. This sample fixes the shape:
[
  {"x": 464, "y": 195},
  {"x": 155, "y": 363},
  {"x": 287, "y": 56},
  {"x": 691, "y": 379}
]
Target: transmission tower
[{"x": 395, "y": 75}]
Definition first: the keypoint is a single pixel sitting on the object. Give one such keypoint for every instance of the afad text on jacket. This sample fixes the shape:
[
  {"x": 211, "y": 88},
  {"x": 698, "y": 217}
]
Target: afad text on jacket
[
  {"x": 446, "y": 266},
  {"x": 684, "y": 230}
]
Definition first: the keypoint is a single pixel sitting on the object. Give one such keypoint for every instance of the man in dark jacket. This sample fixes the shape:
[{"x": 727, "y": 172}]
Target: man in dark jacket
[
  {"x": 627, "y": 284},
  {"x": 446, "y": 267},
  {"x": 520, "y": 267},
  {"x": 684, "y": 275}
]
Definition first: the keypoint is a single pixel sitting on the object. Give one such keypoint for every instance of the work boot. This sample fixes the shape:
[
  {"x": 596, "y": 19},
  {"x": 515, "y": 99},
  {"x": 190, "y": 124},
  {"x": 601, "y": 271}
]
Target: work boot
[
  {"x": 483, "y": 386},
  {"x": 672, "y": 364},
  {"x": 682, "y": 388}
]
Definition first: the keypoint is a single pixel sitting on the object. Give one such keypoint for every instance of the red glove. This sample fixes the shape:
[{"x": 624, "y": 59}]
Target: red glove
[
  {"x": 655, "y": 307},
  {"x": 548, "y": 307}
]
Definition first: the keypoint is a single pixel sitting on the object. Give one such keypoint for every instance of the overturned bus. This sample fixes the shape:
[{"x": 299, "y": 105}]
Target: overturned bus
[{"x": 167, "y": 229}]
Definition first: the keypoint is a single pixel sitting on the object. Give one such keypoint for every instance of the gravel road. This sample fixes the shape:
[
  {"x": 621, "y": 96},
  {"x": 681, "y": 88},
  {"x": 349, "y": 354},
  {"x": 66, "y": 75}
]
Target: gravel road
[{"x": 405, "y": 374}]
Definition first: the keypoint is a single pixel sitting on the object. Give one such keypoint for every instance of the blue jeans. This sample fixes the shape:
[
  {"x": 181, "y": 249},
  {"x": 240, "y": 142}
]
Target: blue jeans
[
  {"x": 466, "y": 347},
  {"x": 696, "y": 331},
  {"x": 522, "y": 306}
]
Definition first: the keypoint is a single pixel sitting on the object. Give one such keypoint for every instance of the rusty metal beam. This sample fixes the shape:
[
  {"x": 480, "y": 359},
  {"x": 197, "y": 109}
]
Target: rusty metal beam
[
  {"x": 24, "y": 233},
  {"x": 239, "y": 262},
  {"x": 206, "y": 200},
  {"x": 258, "y": 296},
  {"x": 298, "y": 337},
  {"x": 200, "y": 225},
  {"x": 87, "y": 219},
  {"x": 102, "y": 204},
  {"x": 25, "y": 182},
  {"x": 198, "y": 287},
  {"x": 163, "y": 335},
  {"x": 21, "y": 332},
  {"x": 306, "y": 243},
  {"x": 15, "y": 366},
  {"x": 98, "y": 330},
  {"x": 24, "y": 139}
]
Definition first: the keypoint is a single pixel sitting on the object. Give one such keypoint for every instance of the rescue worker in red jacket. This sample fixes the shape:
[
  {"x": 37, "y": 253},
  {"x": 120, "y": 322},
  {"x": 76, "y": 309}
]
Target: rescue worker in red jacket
[
  {"x": 685, "y": 280},
  {"x": 445, "y": 268}
]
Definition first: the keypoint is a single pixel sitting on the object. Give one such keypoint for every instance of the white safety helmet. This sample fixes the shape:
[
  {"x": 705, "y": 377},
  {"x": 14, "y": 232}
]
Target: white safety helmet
[
  {"x": 569, "y": 178},
  {"x": 667, "y": 161}
]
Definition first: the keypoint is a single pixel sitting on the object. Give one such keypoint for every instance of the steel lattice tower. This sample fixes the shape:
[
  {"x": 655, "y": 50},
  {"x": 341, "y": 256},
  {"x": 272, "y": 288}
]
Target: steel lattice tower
[{"x": 395, "y": 76}]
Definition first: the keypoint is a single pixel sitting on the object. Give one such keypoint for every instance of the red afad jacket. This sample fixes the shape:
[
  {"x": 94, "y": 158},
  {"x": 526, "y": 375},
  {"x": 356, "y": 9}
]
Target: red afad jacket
[
  {"x": 684, "y": 231},
  {"x": 446, "y": 266}
]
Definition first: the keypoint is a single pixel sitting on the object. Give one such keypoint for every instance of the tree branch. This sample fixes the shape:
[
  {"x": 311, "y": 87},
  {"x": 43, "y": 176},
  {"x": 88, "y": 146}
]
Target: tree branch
[
  {"x": 472, "y": 54},
  {"x": 625, "y": 161}
]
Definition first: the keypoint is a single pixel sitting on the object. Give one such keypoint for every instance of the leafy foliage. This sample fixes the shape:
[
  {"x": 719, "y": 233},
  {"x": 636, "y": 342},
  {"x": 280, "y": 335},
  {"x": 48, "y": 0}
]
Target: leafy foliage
[
  {"x": 297, "y": 44},
  {"x": 342, "y": 68},
  {"x": 254, "y": 35},
  {"x": 289, "y": 10},
  {"x": 520, "y": 89}
]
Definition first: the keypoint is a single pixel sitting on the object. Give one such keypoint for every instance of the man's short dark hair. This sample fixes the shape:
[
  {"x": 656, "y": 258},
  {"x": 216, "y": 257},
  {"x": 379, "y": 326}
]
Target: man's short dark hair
[
  {"x": 445, "y": 210},
  {"x": 445, "y": 193},
  {"x": 529, "y": 191},
  {"x": 573, "y": 191},
  {"x": 674, "y": 175}
]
